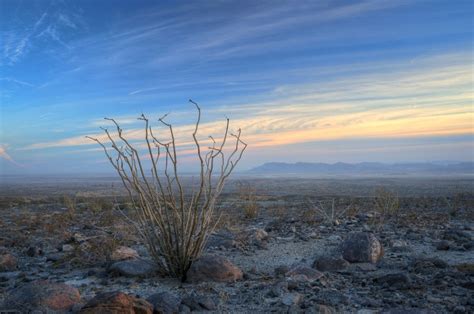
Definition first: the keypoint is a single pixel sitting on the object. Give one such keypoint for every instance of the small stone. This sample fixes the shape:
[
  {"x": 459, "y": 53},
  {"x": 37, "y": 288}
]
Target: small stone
[
  {"x": 396, "y": 280},
  {"x": 304, "y": 273},
  {"x": 123, "y": 253},
  {"x": 400, "y": 246},
  {"x": 67, "y": 248},
  {"x": 290, "y": 299},
  {"x": 281, "y": 270},
  {"x": 8, "y": 262},
  {"x": 213, "y": 268},
  {"x": 199, "y": 303},
  {"x": 164, "y": 302},
  {"x": 329, "y": 263},
  {"x": 132, "y": 268},
  {"x": 116, "y": 302},
  {"x": 34, "y": 251},
  {"x": 54, "y": 257},
  {"x": 443, "y": 245},
  {"x": 324, "y": 309}
]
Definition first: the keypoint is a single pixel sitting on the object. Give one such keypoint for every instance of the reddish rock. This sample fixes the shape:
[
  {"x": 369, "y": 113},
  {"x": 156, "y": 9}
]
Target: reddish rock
[
  {"x": 43, "y": 295},
  {"x": 123, "y": 253},
  {"x": 7, "y": 262},
  {"x": 213, "y": 268},
  {"x": 116, "y": 303}
]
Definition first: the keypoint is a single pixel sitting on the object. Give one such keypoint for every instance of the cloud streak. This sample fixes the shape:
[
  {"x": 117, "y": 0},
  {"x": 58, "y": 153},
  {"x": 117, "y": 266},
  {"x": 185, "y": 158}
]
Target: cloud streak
[{"x": 428, "y": 101}]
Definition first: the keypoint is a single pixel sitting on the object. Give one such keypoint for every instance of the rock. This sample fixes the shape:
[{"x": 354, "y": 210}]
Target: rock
[
  {"x": 54, "y": 257},
  {"x": 199, "y": 303},
  {"x": 362, "y": 247},
  {"x": 365, "y": 267},
  {"x": 254, "y": 236},
  {"x": 324, "y": 309},
  {"x": 290, "y": 299},
  {"x": 164, "y": 303},
  {"x": 132, "y": 268},
  {"x": 213, "y": 268},
  {"x": 426, "y": 264},
  {"x": 43, "y": 296},
  {"x": 442, "y": 245},
  {"x": 334, "y": 238},
  {"x": 278, "y": 289},
  {"x": 466, "y": 268},
  {"x": 304, "y": 273},
  {"x": 468, "y": 245},
  {"x": 67, "y": 248},
  {"x": 34, "y": 251},
  {"x": 396, "y": 280},
  {"x": 222, "y": 239},
  {"x": 123, "y": 253},
  {"x": 329, "y": 263},
  {"x": 78, "y": 238},
  {"x": 405, "y": 310},
  {"x": 281, "y": 270},
  {"x": 456, "y": 235},
  {"x": 8, "y": 262},
  {"x": 400, "y": 246},
  {"x": 116, "y": 303}
]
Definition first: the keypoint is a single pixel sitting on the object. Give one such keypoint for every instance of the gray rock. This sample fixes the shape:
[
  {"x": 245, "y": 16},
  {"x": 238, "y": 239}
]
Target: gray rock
[
  {"x": 330, "y": 263},
  {"x": 304, "y": 273},
  {"x": 362, "y": 247},
  {"x": 199, "y": 303},
  {"x": 290, "y": 299},
  {"x": 443, "y": 245},
  {"x": 396, "y": 280},
  {"x": 164, "y": 303},
  {"x": 132, "y": 268}
]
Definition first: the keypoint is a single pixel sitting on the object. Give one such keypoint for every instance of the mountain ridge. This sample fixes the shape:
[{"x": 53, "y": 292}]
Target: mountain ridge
[{"x": 466, "y": 167}]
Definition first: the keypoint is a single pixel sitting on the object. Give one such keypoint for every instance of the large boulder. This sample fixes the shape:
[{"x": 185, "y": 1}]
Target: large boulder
[
  {"x": 164, "y": 303},
  {"x": 8, "y": 262},
  {"x": 116, "y": 303},
  {"x": 362, "y": 247},
  {"x": 132, "y": 268},
  {"x": 43, "y": 296},
  {"x": 213, "y": 268}
]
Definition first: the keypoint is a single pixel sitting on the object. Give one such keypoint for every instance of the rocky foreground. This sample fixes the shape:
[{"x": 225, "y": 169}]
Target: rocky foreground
[{"x": 89, "y": 261}]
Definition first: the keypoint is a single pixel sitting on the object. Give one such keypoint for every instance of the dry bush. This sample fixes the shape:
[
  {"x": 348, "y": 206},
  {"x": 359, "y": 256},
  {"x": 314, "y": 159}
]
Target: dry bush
[
  {"x": 71, "y": 205},
  {"x": 174, "y": 225},
  {"x": 322, "y": 212},
  {"x": 386, "y": 207},
  {"x": 248, "y": 196}
]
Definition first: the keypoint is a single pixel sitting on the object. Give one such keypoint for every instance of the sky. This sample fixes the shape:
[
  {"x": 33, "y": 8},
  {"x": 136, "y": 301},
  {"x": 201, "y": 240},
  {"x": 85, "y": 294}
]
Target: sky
[{"x": 306, "y": 81}]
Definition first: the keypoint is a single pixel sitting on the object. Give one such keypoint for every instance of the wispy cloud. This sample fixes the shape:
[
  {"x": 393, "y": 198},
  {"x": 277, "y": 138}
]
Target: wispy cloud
[
  {"x": 433, "y": 99},
  {"x": 6, "y": 156}
]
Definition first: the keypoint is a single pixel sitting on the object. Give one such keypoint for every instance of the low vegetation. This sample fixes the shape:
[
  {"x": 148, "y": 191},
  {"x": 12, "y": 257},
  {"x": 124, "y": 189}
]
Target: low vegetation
[{"x": 175, "y": 225}]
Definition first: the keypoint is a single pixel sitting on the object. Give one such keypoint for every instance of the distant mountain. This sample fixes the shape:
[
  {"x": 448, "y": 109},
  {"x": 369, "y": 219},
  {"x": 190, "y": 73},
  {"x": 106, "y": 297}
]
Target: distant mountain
[{"x": 364, "y": 168}]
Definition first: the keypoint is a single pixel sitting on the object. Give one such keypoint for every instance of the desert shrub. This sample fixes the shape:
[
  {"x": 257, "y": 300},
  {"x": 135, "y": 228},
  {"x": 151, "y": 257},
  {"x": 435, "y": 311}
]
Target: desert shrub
[
  {"x": 329, "y": 214},
  {"x": 248, "y": 198},
  {"x": 71, "y": 204},
  {"x": 174, "y": 225},
  {"x": 386, "y": 207}
]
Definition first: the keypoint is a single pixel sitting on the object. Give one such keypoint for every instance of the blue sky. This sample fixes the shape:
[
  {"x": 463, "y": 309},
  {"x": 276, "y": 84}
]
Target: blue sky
[{"x": 321, "y": 81}]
